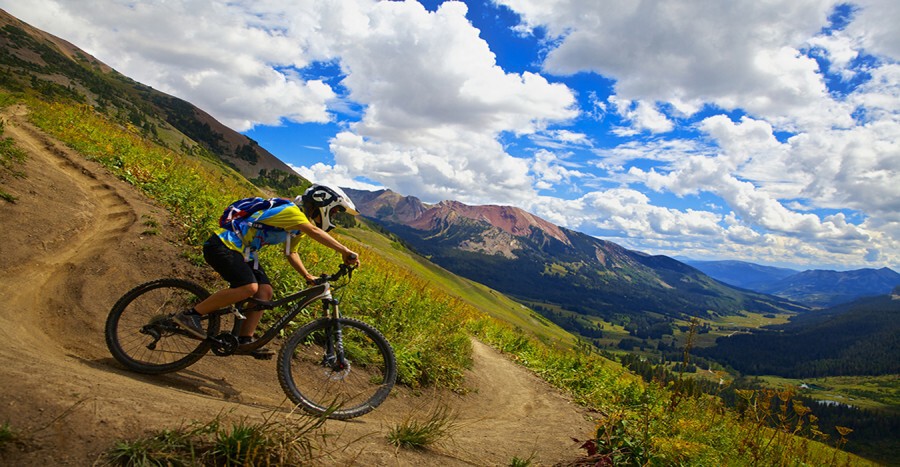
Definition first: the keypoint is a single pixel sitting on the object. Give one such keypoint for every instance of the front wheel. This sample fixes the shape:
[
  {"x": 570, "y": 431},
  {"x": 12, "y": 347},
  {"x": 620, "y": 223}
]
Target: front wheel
[
  {"x": 140, "y": 333},
  {"x": 318, "y": 379}
]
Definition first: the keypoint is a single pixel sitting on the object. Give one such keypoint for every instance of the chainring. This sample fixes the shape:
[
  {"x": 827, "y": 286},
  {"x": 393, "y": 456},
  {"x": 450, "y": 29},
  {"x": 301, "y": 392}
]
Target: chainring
[{"x": 224, "y": 344}]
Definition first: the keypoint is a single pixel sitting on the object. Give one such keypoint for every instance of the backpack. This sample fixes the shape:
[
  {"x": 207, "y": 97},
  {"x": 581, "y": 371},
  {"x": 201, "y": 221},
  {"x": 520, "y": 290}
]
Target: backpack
[{"x": 242, "y": 209}]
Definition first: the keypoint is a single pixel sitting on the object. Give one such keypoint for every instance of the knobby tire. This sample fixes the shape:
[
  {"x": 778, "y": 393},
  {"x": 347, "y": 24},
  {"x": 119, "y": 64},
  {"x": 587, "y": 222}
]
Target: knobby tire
[
  {"x": 150, "y": 306},
  {"x": 323, "y": 391}
]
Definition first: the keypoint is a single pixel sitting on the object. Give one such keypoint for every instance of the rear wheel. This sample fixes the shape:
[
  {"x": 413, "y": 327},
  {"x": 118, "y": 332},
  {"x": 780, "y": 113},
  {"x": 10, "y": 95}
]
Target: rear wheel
[
  {"x": 140, "y": 333},
  {"x": 316, "y": 379}
]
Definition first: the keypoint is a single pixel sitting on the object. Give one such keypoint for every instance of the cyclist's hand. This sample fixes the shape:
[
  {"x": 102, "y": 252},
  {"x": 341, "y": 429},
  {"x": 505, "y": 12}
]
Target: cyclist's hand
[
  {"x": 351, "y": 258},
  {"x": 310, "y": 280}
]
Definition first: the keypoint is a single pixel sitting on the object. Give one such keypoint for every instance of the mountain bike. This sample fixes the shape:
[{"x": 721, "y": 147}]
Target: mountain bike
[{"x": 332, "y": 366}]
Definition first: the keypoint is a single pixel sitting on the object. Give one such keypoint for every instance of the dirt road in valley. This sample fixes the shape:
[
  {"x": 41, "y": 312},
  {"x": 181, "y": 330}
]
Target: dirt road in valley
[{"x": 77, "y": 238}]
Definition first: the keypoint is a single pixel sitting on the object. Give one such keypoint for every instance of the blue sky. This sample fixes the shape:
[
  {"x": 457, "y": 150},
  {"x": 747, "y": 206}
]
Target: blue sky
[{"x": 763, "y": 131}]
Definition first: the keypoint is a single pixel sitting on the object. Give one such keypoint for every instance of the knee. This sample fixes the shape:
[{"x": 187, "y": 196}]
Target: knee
[
  {"x": 264, "y": 292},
  {"x": 247, "y": 291}
]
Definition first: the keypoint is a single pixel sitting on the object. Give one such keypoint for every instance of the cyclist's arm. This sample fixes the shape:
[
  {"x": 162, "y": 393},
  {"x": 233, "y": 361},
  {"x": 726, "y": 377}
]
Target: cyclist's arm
[
  {"x": 297, "y": 264},
  {"x": 321, "y": 236}
]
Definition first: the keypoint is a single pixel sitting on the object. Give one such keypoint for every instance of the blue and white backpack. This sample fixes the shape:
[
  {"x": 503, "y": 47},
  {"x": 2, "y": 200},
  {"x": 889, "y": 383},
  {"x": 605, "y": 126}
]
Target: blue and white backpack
[{"x": 240, "y": 210}]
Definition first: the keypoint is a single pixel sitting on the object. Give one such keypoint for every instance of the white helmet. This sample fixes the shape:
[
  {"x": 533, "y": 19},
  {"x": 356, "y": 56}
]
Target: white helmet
[{"x": 329, "y": 201}]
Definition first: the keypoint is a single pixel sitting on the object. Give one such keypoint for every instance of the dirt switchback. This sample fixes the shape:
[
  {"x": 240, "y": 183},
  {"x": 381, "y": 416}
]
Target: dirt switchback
[{"x": 77, "y": 238}]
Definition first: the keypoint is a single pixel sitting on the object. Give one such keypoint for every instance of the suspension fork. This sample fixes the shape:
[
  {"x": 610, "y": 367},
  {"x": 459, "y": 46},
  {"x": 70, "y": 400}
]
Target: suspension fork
[{"x": 335, "y": 337}]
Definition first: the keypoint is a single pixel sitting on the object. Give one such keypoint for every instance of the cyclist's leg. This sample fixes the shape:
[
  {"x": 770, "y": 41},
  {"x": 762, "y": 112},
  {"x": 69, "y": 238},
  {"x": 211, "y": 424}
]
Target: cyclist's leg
[
  {"x": 225, "y": 297},
  {"x": 263, "y": 292},
  {"x": 231, "y": 266},
  {"x": 248, "y": 327}
]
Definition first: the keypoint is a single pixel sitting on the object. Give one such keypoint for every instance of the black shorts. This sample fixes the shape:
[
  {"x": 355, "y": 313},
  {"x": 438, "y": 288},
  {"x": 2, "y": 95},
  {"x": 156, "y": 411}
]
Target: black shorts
[{"x": 230, "y": 264}]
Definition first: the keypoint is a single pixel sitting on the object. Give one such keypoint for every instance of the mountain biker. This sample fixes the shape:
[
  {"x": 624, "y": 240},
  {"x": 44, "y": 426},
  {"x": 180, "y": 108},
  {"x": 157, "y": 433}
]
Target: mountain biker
[{"x": 235, "y": 257}]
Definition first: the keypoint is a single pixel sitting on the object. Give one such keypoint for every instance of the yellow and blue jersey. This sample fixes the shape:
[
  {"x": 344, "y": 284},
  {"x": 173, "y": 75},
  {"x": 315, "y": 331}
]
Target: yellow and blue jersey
[{"x": 251, "y": 233}]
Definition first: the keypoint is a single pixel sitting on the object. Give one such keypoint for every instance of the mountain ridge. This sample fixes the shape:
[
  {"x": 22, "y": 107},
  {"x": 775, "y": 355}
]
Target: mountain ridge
[
  {"x": 826, "y": 288},
  {"x": 535, "y": 261},
  {"x": 815, "y": 287},
  {"x": 742, "y": 274},
  {"x": 64, "y": 69}
]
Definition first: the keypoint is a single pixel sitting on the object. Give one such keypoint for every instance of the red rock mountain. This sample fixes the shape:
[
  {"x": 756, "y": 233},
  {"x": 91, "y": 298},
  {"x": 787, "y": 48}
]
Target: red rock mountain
[
  {"x": 510, "y": 219},
  {"x": 503, "y": 225}
]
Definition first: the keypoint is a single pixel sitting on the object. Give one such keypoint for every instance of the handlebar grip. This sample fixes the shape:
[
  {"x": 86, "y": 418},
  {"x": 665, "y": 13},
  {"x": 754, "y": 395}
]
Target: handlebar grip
[{"x": 353, "y": 256}]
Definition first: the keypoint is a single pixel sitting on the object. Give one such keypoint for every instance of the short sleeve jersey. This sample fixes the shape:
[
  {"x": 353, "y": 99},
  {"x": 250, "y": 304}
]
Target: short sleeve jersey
[{"x": 252, "y": 239}]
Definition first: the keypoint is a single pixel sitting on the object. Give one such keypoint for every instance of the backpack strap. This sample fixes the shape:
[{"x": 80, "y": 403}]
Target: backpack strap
[
  {"x": 287, "y": 242},
  {"x": 260, "y": 228}
]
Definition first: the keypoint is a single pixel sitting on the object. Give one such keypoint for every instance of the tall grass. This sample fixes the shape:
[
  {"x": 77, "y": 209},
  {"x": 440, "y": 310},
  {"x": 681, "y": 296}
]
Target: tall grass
[
  {"x": 420, "y": 430},
  {"x": 274, "y": 441}
]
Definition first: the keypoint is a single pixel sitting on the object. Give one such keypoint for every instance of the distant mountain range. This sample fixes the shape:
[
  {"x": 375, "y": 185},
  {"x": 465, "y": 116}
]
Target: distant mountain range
[
  {"x": 817, "y": 288},
  {"x": 565, "y": 271},
  {"x": 741, "y": 274}
]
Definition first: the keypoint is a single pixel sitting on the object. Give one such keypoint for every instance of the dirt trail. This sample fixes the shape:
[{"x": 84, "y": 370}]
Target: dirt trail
[{"x": 76, "y": 239}]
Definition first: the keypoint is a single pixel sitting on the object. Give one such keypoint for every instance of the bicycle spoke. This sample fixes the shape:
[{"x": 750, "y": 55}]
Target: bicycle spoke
[
  {"x": 320, "y": 383},
  {"x": 140, "y": 332}
]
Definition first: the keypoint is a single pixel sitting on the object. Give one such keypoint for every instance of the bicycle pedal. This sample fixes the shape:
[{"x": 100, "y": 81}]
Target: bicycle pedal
[{"x": 259, "y": 354}]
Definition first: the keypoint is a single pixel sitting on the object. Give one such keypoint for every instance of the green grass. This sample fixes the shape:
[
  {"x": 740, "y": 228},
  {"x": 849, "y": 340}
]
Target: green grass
[
  {"x": 480, "y": 297},
  {"x": 436, "y": 425},
  {"x": 10, "y": 159},
  {"x": 518, "y": 462},
  {"x": 292, "y": 440},
  {"x": 151, "y": 224},
  {"x": 727, "y": 325},
  {"x": 7, "y": 434}
]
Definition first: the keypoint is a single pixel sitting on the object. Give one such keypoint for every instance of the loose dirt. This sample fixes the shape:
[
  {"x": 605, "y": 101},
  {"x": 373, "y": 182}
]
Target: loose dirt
[{"x": 77, "y": 238}]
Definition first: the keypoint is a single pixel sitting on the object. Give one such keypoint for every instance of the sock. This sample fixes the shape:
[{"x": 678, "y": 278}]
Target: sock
[
  {"x": 191, "y": 312},
  {"x": 245, "y": 340}
]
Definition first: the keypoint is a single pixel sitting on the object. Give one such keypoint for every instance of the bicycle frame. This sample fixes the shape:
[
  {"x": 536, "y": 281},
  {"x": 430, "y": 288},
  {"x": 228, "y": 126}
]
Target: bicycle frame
[{"x": 305, "y": 297}]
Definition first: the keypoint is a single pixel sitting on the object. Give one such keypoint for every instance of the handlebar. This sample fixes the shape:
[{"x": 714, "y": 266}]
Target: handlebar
[{"x": 343, "y": 270}]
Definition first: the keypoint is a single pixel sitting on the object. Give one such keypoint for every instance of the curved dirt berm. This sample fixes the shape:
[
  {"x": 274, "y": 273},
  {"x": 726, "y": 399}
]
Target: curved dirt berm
[{"x": 77, "y": 238}]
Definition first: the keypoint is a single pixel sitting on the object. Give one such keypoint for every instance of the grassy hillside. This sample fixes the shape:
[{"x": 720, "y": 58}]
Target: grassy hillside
[{"x": 482, "y": 298}]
